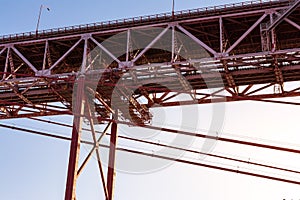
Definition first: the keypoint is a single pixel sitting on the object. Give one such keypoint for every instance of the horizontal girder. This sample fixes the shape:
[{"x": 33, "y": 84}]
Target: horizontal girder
[{"x": 42, "y": 68}]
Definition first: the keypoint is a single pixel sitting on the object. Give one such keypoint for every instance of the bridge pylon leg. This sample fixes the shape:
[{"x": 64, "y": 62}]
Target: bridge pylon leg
[
  {"x": 111, "y": 163},
  {"x": 78, "y": 111}
]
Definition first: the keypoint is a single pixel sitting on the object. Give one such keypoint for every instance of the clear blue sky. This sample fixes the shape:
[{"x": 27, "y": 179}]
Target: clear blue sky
[{"x": 34, "y": 168}]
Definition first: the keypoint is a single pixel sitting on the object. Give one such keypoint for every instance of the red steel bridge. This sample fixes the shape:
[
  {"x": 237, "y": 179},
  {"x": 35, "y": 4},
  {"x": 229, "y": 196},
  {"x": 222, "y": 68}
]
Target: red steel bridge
[{"x": 254, "y": 51}]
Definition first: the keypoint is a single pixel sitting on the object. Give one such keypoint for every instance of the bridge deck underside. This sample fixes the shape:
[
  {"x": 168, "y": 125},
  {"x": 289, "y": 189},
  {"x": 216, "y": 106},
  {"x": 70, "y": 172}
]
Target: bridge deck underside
[{"x": 42, "y": 68}]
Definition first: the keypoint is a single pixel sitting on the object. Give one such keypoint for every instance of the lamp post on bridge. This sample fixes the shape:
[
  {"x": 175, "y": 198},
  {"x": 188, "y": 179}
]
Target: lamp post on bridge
[
  {"x": 39, "y": 17},
  {"x": 173, "y": 5}
]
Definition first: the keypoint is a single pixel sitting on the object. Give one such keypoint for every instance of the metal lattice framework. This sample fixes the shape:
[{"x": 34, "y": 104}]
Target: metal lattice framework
[{"x": 40, "y": 69}]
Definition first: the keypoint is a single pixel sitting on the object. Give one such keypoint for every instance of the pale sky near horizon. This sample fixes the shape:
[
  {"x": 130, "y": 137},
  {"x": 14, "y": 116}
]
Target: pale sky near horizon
[{"x": 34, "y": 167}]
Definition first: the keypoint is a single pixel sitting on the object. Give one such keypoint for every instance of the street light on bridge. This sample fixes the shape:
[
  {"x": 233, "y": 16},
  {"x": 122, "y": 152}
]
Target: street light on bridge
[
  {"x": 173, "y": 5},
  {"x": 39, "y": 17}
]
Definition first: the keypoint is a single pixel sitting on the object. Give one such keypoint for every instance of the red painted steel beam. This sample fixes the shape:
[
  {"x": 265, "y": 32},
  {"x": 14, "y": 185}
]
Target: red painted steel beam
[
  {"x": 75, "y": 141},
  {"x": 96, "y": 145},
  {"x": 34, "y": 114},
  {"x": 222, "y": 98},
  {"x": 111, "y": 162}
]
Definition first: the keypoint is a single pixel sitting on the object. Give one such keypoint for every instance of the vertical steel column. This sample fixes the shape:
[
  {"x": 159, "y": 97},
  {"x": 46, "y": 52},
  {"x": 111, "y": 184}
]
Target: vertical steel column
[
  {"x": 128, "y": 46},
  {"x": 221, "y": 34},
  {"x": 173, "y": 44},
  {"x": 111, "y": 162},
  {"x": 75, "y": 141},
  {"x": 45, "y": 56},
  {"x": 273, "y": 36}
]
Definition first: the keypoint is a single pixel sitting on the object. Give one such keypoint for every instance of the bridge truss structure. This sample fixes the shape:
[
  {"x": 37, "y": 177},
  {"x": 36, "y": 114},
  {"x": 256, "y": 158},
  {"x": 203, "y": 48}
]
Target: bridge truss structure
[{"x": 254, "y": 50}]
